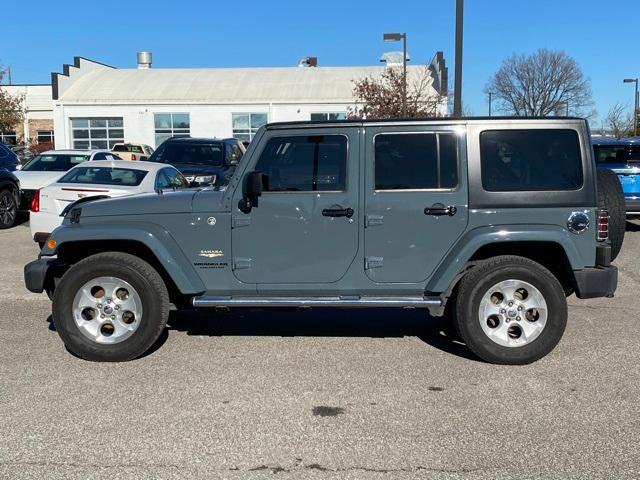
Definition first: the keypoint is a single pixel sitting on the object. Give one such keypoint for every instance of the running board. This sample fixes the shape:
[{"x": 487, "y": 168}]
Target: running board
[{"x": 342, "y": 301}]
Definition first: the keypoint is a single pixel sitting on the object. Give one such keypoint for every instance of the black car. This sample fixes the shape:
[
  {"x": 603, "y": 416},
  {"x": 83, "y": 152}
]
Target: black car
[
  {"x": 206, "y": 161},
  {"x": 8, "y": 159},
  {"x": 9, "y": 195}
]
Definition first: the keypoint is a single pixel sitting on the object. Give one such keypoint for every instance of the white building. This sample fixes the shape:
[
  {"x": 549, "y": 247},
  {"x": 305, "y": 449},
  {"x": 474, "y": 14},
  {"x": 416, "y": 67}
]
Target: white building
[
  {"x": 37, "y": 123},
  {"x": 96, "y": 105}
]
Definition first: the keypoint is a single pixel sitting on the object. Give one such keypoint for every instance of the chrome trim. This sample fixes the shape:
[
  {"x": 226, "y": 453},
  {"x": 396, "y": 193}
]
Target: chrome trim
[{"x": 344, "y": 301}]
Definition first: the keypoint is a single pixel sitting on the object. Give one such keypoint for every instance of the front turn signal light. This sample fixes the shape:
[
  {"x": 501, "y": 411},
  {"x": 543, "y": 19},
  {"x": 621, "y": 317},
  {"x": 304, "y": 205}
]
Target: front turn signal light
[{"x": 52, "y": 244}]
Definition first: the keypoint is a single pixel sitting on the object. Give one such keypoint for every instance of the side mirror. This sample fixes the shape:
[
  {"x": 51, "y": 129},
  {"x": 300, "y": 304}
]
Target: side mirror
[
  {"x": 253, "y": 184},
  {"x": 251, "y": 190}
]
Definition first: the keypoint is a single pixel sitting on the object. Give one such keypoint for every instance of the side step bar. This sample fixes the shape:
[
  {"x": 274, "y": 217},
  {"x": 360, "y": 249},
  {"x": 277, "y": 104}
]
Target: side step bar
[{"x": 341, "y": 301}]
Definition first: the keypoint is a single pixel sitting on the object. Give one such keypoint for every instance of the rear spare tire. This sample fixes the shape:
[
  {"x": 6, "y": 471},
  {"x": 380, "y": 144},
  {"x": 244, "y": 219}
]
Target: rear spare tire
[{"x": 611, "y": 198}]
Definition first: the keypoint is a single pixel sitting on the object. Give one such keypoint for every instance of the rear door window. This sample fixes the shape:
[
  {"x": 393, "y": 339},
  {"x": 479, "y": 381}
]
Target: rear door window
[
  {"x": 416, "y": 161},
  {"x": 530, "y": 160}
]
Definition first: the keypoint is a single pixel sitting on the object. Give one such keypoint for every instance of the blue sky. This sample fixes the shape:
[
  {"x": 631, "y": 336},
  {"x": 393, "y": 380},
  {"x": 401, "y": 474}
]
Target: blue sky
[{"x": 191, "y": 33}]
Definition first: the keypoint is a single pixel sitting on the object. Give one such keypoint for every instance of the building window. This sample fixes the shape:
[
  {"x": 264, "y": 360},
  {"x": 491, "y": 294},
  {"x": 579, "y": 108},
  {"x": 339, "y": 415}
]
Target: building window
[
  {"x": 245, "y": 125},
  {"x": 169, "y": 125},
  {"x": 9, "y": 137},
  {"x": 318, "y": 117},
  {"x": 89, "y": 133},
  {"x": 45, "y": 136}
]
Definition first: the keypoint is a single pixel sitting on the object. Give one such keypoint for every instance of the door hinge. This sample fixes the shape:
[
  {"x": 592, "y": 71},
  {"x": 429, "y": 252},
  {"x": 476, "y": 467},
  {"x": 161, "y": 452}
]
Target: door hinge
[
  {"x": 372, "y": 262},
  {"x": 373, "y": 220},
  {"x": 240, "y": 221},
  {"x": 241, "y": 263}
]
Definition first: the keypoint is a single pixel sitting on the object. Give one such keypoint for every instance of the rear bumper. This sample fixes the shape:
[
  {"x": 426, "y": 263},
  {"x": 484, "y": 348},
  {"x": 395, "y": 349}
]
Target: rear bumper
[
  {"x": 36, "y": 273},
  {"x": 632, "y": 205},
  {"x": 598, "y": 281}
]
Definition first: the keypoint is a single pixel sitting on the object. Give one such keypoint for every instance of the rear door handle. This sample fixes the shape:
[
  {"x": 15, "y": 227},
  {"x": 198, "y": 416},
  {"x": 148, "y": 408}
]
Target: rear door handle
[
  {"x": 439, "y": 209},
  {"x": 338, "y": 212}
]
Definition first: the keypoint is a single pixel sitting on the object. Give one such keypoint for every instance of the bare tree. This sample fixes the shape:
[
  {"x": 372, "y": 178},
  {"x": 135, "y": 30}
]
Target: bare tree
[
  {"x": 619, "y": 121},
  {"x": 541, "y": 84},
  {"x": 11, "y": 111},
  {"x": 382, "y": 96}
]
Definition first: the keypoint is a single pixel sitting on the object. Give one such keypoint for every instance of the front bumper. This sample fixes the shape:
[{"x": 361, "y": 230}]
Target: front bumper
[
  {"x": 36, "y": 273},
  {"x": 598, "y": 281}
]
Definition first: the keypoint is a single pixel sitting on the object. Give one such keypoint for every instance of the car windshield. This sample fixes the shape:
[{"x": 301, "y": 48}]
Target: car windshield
[
  {"x": 127, "y": 148},
  {"x": 617, "y": 153},
  {"x": 104, "y": 176},
  {"x": 54, "y": 162},
  {"x": 211, "y": 154}
]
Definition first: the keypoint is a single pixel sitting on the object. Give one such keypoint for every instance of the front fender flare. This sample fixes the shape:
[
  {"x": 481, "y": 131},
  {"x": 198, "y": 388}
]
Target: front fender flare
[{"x": 154, "y": 237}]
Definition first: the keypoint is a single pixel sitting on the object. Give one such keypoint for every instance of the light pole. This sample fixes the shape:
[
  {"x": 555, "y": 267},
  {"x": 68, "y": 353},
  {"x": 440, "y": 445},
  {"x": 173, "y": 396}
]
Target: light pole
[
  {"x": 635, "y": 105},
  {"x": 490, "y": 95},
  {"x": 457, "y": 89},
  {"x": 396, "y": 37}
]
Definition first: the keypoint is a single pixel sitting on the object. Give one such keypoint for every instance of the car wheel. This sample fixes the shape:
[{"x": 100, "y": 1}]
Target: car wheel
[
  {"x": 110, "y": 307},
  {"x": 611, "y": 197},
  {"x": 510, "y": 310},
  {"x": 8, "y": 209}
]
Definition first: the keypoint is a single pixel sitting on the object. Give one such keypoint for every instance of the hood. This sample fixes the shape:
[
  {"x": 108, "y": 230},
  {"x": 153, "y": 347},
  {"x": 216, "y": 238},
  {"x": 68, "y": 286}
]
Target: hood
[
  {"x": 143, "y": 204},
  {"x": 36, "y": 180}
]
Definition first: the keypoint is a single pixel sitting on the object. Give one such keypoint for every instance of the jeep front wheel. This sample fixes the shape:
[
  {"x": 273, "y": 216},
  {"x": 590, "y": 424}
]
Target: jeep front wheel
[
  {"x": 510, "y": 310},
  {"x": 110, "y": 307}
]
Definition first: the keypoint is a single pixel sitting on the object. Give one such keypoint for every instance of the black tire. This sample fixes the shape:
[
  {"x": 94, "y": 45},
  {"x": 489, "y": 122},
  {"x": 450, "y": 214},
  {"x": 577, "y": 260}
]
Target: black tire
[
  {"x": 483, "y": 277},
  {"x": 611, "y": 197},
  {"x": 8, "y": 209},
  {"x": 141, "y": 276}
]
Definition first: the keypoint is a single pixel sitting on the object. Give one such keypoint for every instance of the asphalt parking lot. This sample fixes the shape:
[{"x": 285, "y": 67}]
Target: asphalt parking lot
[{"x": 323, "y": 394}]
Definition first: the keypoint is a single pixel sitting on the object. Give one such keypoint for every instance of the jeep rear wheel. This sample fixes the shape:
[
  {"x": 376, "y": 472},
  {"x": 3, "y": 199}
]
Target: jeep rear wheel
[
  {"x": 110, "y": 307},
  {"x": 510, "y": 310}
]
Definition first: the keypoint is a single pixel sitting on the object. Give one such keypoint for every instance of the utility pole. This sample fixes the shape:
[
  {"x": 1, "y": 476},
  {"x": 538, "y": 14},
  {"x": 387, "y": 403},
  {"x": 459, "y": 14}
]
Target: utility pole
[
  {"x": 490, "y": 95},
  {"x": 457, "y": 89}
]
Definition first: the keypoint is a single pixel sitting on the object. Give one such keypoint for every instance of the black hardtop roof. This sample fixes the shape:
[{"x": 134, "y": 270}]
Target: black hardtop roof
[{"x": 320, "y": 123}]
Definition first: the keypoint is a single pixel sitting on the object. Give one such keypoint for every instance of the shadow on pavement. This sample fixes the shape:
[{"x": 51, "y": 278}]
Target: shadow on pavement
[{"x": 322, "y": 322}]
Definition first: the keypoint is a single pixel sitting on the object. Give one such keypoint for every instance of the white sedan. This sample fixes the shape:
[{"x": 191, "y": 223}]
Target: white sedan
[
  {"x": 47, "y": 167},
  {"x": 98, "y": 178}
]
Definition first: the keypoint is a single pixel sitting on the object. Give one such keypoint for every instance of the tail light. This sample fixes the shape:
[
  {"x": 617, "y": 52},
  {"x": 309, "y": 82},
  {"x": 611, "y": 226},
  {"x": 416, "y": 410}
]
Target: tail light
[
  {"x": 133, "y": 156},
  {"x": 603, "y": 225},
  {"x": 35, "y": 202}
]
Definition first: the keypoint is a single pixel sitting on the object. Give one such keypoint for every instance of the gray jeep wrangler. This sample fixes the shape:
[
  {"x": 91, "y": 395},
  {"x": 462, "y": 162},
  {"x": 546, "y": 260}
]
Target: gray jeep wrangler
[{"x": 492, "y": 222}]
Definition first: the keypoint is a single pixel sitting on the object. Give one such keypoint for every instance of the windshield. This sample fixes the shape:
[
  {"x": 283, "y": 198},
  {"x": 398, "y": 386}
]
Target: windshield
[
  {"x": 104, "y": 176},
  {"x": 617, "y": 154},
  {"x": 211, "y": 155},
  {"x": 54, "y": 163},
  {"x": 127, "y": 148}
]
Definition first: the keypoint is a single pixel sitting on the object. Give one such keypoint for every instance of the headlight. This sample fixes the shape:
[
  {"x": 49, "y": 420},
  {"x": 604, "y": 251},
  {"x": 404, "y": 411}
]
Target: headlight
[{"x": 205, "y": 179}]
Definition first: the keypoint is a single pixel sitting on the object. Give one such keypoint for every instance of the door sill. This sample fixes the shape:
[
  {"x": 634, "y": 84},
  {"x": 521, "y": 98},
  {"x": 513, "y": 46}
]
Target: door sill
[{"x": 205, "y": 301}]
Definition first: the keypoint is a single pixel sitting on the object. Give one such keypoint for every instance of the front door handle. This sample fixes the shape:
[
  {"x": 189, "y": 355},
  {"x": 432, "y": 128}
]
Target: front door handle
[
  {"x": 439, "y": 209},
  {"x": 338, "y": 212}
]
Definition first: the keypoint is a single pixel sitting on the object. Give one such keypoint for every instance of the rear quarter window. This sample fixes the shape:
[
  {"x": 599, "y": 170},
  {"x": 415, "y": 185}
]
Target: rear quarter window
[{"x": 530, "y": 160}]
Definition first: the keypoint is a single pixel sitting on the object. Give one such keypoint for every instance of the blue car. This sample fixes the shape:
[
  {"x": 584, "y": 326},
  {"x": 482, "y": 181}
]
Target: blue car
[
  {"x": 622, "y": 156},
  {"x": 8, "y": 159}
]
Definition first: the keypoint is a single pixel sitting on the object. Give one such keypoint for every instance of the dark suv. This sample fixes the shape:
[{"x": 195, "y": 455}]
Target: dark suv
[
  {"x": 206, "y": 161},
  {"x": 8, "y": 159}
]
